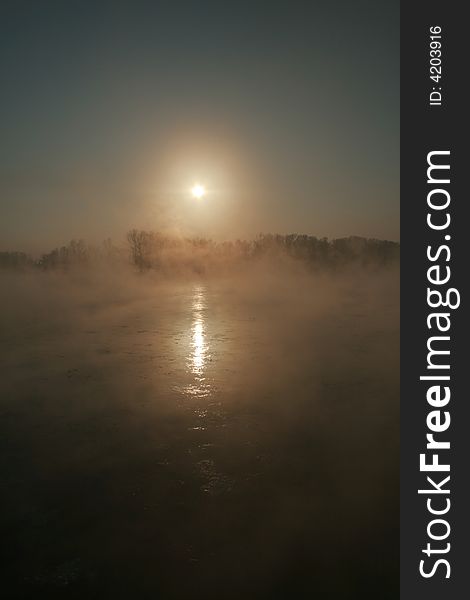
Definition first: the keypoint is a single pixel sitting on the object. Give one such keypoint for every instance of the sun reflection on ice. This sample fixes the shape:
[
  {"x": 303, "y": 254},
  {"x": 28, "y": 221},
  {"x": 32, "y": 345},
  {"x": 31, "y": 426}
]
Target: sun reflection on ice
[
  {"x": 198, "y": 357},
  {"x": 199, "y": 347}
]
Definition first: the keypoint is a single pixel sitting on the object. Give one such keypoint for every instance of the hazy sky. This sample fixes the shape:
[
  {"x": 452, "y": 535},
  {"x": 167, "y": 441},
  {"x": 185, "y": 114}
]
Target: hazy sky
[{"x": 288, "y": 113}]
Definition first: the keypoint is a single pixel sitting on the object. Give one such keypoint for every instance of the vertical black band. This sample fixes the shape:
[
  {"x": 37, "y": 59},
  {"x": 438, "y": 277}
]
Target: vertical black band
[{"x": 434, "y": 123}]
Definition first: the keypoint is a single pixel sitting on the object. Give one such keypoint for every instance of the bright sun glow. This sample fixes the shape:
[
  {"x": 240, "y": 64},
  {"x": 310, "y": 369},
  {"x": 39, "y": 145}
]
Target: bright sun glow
[{"x": 198, "y": 190}]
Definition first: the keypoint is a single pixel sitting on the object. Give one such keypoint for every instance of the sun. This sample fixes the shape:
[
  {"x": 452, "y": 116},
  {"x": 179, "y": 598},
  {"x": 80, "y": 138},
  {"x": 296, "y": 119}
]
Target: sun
[{"x": 198, "y": 190}]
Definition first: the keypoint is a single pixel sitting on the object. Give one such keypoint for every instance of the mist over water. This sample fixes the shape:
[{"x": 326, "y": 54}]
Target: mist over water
[{"x": 200, "y": 437}]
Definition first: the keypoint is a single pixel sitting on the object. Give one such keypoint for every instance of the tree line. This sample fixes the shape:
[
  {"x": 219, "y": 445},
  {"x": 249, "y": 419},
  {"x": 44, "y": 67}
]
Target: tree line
[{"x": 153, "y": 250}]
